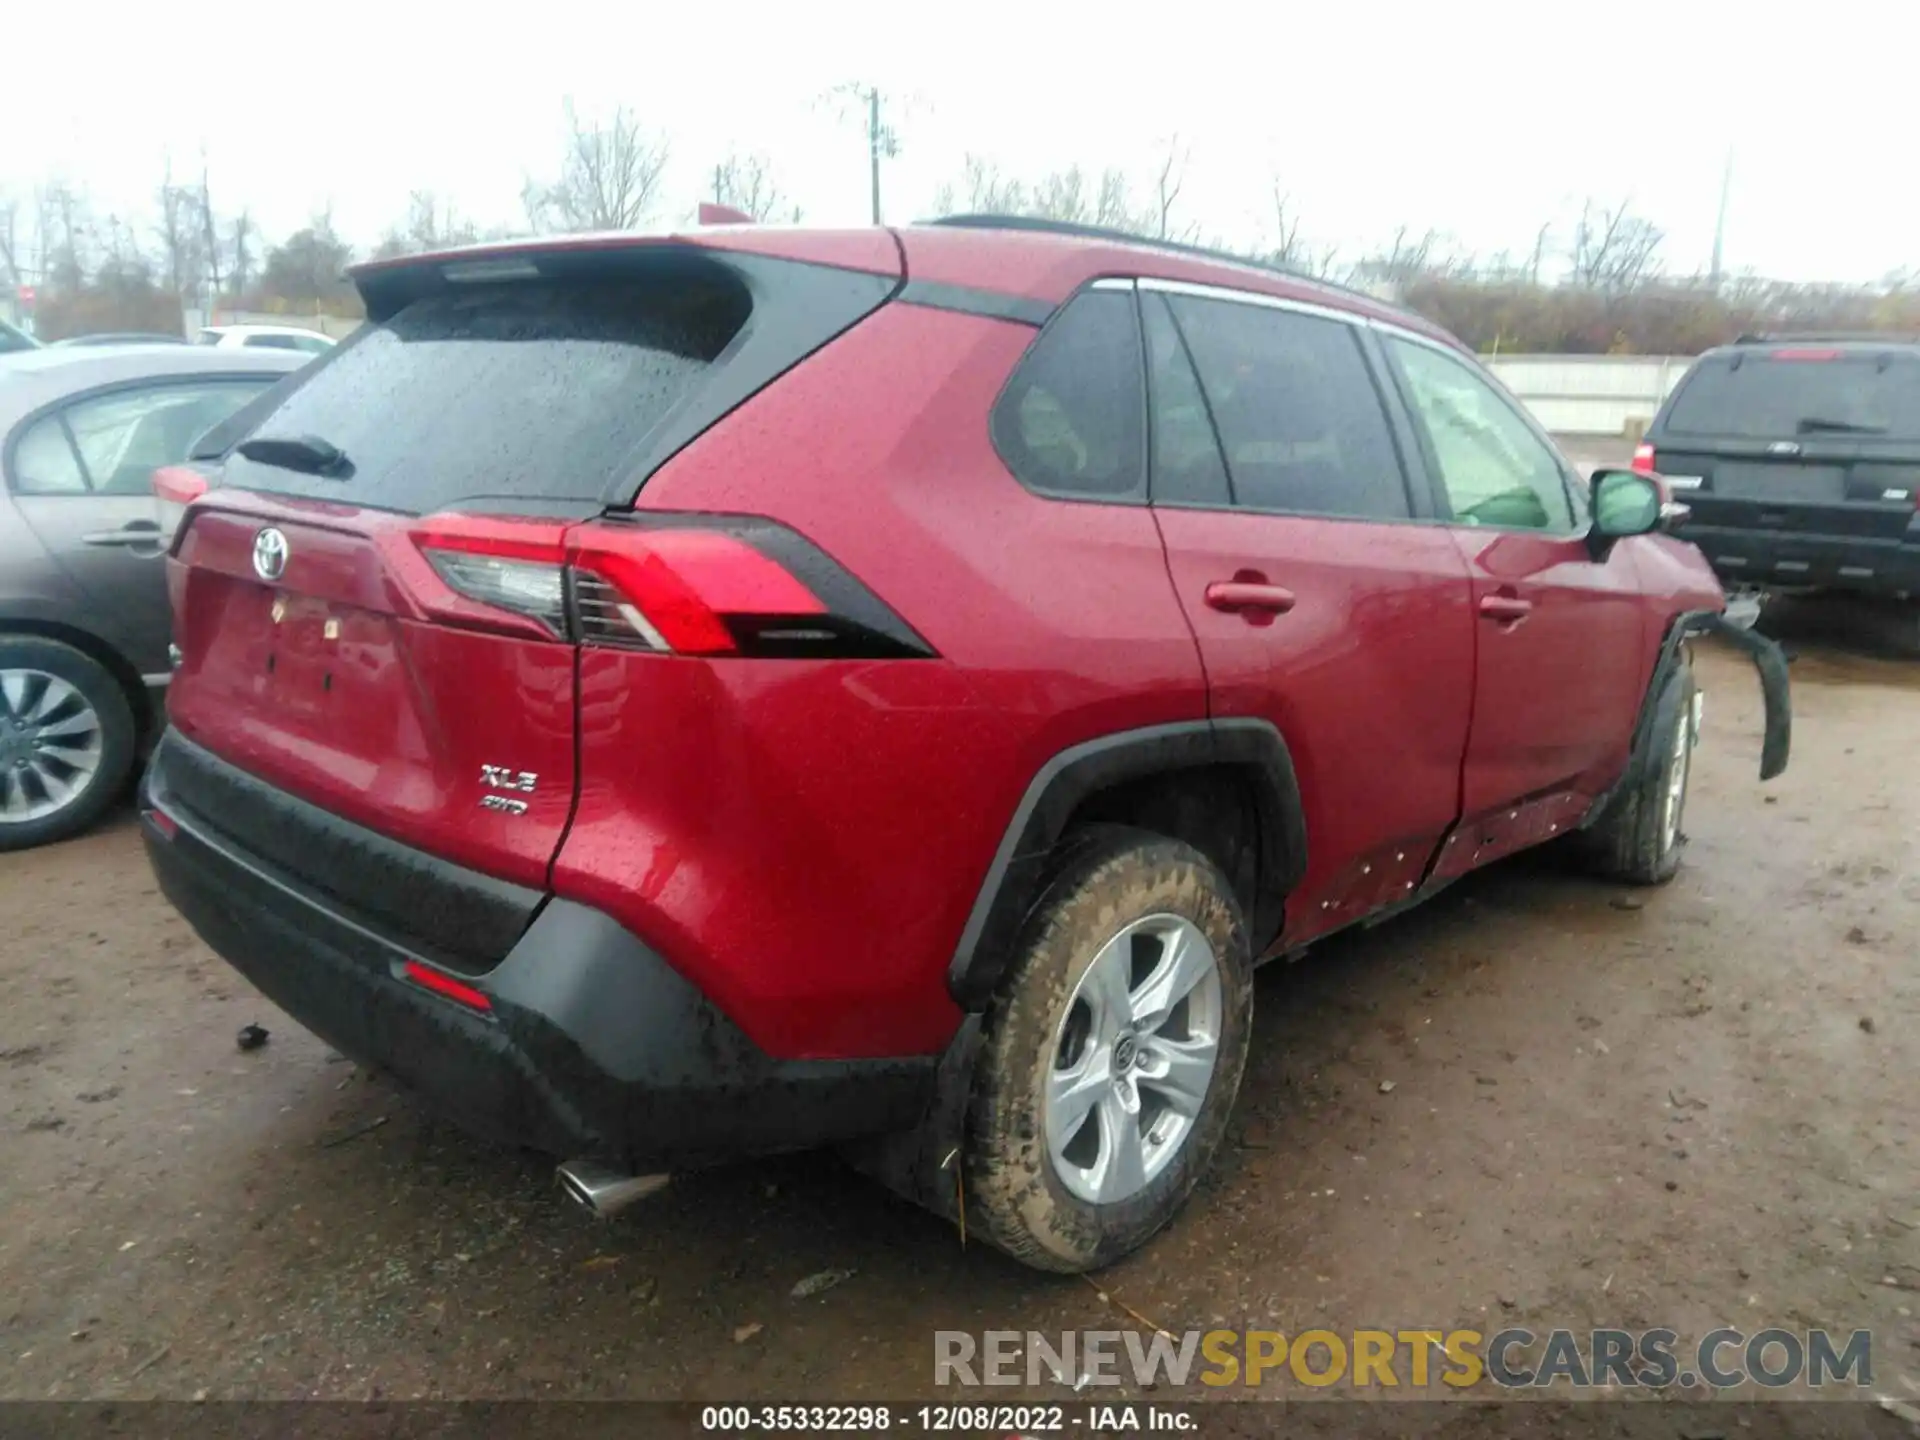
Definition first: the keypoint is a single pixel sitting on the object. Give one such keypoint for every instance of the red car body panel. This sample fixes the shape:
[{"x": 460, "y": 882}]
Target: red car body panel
[
  {"x": 1373, "y": 661},
  {"x": 339, "y": 686},
  {"x": 1556, "y": 690},
  {"x": 803, "y": 839}
]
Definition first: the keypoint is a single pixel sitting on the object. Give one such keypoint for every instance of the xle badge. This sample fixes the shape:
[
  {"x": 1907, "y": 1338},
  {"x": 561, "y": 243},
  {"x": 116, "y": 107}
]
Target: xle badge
[{"x": 504, "y": 777}]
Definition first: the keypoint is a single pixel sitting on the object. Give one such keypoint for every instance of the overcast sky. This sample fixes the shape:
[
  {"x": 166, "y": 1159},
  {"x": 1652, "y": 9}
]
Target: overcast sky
[{"x": 1475, "y": 117}]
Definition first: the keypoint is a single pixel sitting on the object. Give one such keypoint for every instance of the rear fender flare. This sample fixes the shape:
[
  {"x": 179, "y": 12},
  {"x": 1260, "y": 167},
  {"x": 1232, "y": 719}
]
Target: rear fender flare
[{"x": 1018, "y": 871}]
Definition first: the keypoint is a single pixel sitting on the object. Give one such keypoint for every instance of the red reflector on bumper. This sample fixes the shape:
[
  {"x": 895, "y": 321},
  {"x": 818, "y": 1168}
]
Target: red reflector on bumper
[
  {"x": 164, "y": 823},
  {"x": 441, "y": 984}
]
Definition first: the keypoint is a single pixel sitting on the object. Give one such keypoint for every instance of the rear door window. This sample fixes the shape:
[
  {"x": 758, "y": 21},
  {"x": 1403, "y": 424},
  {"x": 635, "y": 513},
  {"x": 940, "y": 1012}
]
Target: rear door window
[
  {"x": 1072, "y": 420},
  {"x": 1187, "y": 465},
  {"x": 540, "y": 390},
  {"x": 111, "y": 444},
  {"x": 1298, "y": 414},
  {"x": 1791, "y": 394}
]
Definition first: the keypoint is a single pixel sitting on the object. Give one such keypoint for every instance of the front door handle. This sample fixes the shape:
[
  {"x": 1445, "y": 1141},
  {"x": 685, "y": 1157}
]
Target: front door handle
[
  {"x": 136, "y": 534},
  {"x": 1248, "y": 596},
  {"x": 1507, "y": 609}
]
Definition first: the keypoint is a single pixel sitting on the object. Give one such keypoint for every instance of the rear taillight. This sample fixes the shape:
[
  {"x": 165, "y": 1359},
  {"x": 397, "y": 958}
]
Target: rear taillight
[
  {"x": 1804, "y": 353},
  {"x": 174, "y": 488},
  {"x": 511, "y": 565},
  {"x": 1643, "y": 458},
  {"x": 679, "y": 585}
]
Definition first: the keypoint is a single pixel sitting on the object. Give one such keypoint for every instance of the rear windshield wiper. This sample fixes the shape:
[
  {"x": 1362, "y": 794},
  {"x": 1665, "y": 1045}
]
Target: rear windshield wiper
[
  {"x": 308, "y": 454},
  {"x": 1813, "y": 423}
]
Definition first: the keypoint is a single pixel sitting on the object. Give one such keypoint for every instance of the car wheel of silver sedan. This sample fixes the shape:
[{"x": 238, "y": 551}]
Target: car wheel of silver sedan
[{"x": 66, "y": 740}]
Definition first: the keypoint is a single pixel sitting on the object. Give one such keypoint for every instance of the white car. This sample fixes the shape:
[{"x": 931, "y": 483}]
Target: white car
[{"x": 265, "y": 337}]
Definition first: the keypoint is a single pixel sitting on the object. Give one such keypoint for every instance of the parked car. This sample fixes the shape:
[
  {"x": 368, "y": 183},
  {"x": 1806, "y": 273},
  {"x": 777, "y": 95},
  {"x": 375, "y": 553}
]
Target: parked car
[
  {"x": 692, "y": 697},
  {"x": 120, "y": 337},
  {"x": 13, "y": 339},
  {"x": 83, "y": 603},
  {"x": 265, "y": 337},
  {"x": 1799, "y": 456}
]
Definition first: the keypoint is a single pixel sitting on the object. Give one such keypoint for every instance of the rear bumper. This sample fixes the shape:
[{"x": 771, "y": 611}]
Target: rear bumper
[
  {"x": 1831, "y": 562},
  {"x": 590, "y": 1045}
]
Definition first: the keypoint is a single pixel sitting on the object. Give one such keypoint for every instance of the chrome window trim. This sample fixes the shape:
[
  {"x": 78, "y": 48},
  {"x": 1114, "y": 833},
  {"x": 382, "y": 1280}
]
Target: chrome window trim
[
  {"x": 1248, "y": 297},
  {"x": 1300, "y": 307}
]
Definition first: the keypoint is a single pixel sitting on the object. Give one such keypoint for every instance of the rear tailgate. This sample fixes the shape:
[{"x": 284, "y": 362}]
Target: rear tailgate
[
  {"x": 1800, "y": 442},
  {"x": 372, "y": 608}
]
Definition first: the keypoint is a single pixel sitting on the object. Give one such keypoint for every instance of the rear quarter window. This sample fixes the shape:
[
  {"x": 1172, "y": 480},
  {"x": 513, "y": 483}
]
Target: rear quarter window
[
  {"x": 1072, "y": 420},
  {"x": 540, "y": 390}
]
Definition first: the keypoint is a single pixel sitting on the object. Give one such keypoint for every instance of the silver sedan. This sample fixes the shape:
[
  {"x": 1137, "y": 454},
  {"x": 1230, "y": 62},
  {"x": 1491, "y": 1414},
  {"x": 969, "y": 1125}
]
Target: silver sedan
[{"x": 84, "y": 624}]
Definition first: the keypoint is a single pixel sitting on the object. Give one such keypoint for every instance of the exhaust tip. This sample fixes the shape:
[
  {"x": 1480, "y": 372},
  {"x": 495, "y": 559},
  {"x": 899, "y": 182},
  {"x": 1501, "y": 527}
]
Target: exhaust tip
[{"x": 604, "y": 1190}]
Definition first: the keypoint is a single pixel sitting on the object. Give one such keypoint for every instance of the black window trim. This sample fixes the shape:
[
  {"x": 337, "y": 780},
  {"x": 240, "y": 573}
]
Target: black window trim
[
  {"x": 1417, "y": 487},
  {"x": 58, "y": 407},
  {"x": 1138, "y": 496},
  {"x": 1206, "y": 404},
  {"x": 1569, "y": 480}
]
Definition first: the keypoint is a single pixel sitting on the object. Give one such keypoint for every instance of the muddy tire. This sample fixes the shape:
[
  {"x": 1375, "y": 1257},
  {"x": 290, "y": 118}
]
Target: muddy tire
[
  {"x": 1111, "y": 1054},
  {"x": 67, "y": 741},
  {"x": 1640, "y": 839}
]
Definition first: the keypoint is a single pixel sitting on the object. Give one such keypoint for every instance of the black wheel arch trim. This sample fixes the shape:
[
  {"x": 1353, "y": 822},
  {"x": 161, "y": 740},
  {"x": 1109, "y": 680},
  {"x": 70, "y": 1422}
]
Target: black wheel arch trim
[
  {"x": 1769, "y": 662},
  {"x": 1019, "y": 865}
]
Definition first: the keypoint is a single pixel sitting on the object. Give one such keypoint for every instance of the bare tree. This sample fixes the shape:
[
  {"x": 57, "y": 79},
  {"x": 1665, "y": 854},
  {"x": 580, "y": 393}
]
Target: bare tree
[
  {"x": 65, "y": 236},
  {"x": 1287, "y": 248},
  {"x": 1167, "y": 186},
  {"x": 1062, "y": 195},
  {"x": 982, "y": 190},
  {"x": 1614, "y": 250},
  {"x": 181, "y": 234},
  {"x": 609, "y": 179},
  {"x": 745, "y": 183},
  {"x": 1408, "y": 258},
  {"x": 241, "y": 240},
  {"x": 10, "y": 246},
  {"x": 209, "y": 236}
]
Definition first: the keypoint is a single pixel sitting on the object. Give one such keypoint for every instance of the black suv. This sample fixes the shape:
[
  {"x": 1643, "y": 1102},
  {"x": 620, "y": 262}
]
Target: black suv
[{"x": 1800, "y": 458}]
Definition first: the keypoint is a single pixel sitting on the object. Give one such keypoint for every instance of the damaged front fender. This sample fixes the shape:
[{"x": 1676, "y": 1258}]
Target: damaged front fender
[{"x": 1771, "y": 663}]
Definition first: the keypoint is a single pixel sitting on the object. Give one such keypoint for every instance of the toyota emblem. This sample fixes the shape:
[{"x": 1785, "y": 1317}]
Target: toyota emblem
[{"x": 270, "y": 554}]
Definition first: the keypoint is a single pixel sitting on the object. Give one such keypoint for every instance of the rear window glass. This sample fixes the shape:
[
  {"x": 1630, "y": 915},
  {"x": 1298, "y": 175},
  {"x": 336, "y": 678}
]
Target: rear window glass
[
  {"x": 540, "y": 391},
  {"x": 1761, "y": 397}
]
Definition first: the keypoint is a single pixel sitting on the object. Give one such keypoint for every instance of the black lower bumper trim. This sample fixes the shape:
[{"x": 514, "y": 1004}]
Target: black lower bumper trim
[
  {"x": 1830, "y": 562},
  {"x": 594, "y": 1046}
]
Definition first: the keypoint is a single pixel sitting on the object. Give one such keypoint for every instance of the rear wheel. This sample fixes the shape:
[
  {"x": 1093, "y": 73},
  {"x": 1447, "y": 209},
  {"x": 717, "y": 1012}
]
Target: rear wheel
[
  {"x": 1112, "y": 1053},
  {"x": 66, "y": 740}
]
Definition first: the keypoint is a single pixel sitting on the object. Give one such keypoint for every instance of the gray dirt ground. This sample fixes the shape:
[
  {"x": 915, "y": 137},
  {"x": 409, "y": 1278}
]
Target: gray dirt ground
[{"x": 1687, "y": 1107}]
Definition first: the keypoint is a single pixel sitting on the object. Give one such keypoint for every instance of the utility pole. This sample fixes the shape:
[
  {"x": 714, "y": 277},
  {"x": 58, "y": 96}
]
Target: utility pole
[
  {"x": 1714, "y": 268},
  {"x": 882, "y": 142}
]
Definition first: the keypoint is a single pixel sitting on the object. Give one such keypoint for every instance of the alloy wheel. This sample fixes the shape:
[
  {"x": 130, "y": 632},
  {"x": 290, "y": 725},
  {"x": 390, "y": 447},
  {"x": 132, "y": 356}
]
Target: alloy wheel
[
  {"x": 50, "y": 745},
  {"x": 1133, "y": 1058}
]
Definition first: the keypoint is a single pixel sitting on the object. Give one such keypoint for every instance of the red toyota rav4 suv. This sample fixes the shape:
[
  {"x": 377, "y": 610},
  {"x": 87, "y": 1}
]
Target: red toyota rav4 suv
[{"x": 677, "y": 698}]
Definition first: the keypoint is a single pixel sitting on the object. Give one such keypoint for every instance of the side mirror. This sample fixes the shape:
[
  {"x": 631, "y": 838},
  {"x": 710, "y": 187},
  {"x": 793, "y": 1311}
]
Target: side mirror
[{"x": 1625, "y": 503}]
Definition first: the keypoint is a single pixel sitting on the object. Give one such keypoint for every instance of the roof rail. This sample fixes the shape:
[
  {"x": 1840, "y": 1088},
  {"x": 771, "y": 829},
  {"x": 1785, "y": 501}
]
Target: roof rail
[
  {"x": 1870, "y": 337},
  {"x": 1042, "y": 225}
]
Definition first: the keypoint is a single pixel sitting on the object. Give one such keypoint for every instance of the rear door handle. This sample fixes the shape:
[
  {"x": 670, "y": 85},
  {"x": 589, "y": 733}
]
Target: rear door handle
[
  {"x": 135, "y": 534},
  {"x": 1240, "y": 596},
  {"x": 1508, "y": 609}
]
